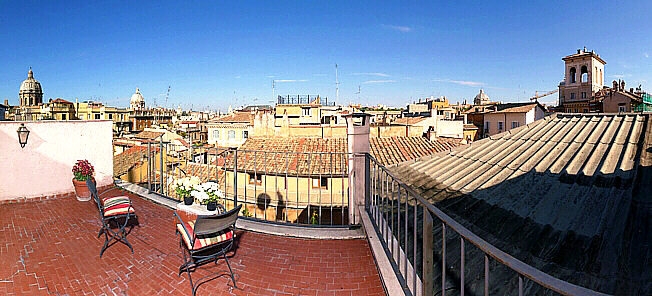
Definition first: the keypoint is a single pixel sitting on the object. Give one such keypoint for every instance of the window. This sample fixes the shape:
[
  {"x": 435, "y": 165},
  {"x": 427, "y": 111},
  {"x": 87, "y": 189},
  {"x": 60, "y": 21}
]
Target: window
[
  {"x": 576, "y": 110},
  {"x": 572, "y": 96},
  {"x": 88, "y": 116},
  {"x": 573, "y": 73},
  {"x": 500, "y": 125},
  {"x": 245, "y": 134},
  {"x": 320, "y": 183},
  {"x": 110, "y": 116},
  {"x": 621, "y": 108},
  {"x": 255, "y": 179},
  {"x": 216, "y": 134},
  {"x": 97, "y": 116},
  {"x": 583, "y": 95},
  {"x": 63, "y": 116},
  {"x": 305, "y": 111},
  {"x": 585, "y": 110},
  {"x": 584, "y": 74},
  {"x": 231, "y": 134},
  {"x": 515, "y": 124},
  {"x": 486, "y": 128}
]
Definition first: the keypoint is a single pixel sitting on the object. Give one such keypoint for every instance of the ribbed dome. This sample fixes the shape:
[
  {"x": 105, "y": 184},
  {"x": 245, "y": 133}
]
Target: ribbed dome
[
  {"x": 481, "y": 98},
  {"x": 31, "y": 85},
  {"x": 137, "y": 98}
]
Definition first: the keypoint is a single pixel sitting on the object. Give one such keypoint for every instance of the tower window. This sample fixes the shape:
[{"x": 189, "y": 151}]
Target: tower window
[
  {"x": 573, "y": 73},
  {"x": 572, "y": 96},
  {"x": 584, "y": 74},
  {"x": 583, "y": 95}
]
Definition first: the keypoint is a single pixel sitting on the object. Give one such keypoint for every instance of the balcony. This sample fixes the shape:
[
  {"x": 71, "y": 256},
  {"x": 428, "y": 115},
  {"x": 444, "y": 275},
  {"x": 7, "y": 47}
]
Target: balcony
[{"x": 372, "y": 233}]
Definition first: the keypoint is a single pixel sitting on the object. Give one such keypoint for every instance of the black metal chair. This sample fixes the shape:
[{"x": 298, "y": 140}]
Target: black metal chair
[
  {"x": 112, "y": 209},
  {"x": 206, "y": 239}
]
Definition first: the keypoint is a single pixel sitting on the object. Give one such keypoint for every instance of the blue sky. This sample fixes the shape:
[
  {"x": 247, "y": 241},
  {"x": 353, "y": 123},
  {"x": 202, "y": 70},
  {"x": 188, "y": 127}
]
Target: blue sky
[{"x": 218, "y": 54}]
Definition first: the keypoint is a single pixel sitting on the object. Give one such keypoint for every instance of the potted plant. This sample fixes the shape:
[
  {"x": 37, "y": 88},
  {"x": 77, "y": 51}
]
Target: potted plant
[
  {"x": 82, "y": 171},
  {"x": 183, "y": 188},
  {"x": 208, "y": 193}
]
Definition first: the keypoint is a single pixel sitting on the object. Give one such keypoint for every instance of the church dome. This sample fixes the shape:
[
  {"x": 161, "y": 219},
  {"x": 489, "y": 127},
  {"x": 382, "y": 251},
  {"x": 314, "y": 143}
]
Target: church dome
[
  {"x": 136, "y": 98},
  {"x": 31, "y": 85},
  {"x": 481, "y": 98},
  {"x": 137, "y": 101}
]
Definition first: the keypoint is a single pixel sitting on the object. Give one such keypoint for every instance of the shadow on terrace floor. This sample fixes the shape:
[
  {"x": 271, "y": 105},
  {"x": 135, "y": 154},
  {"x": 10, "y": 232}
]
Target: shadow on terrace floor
[{"x": 51, "y": 247}]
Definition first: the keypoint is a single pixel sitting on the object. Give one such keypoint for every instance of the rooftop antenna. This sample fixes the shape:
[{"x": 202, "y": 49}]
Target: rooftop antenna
[
  {"x": 358, "y": 93},
  {"x": 337, "y": 86},
  {"x": 166, "y": 97}
]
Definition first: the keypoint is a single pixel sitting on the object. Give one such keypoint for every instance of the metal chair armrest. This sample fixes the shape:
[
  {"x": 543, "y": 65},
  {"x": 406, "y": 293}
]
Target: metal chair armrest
[{"x": 183, "y": 225}]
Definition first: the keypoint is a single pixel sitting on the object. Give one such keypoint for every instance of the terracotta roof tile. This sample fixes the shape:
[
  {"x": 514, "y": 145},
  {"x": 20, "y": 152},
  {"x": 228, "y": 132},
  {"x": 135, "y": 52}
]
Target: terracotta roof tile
[
  {"x": 149, "y": 135},
  {"x": 238, "y": 117}
]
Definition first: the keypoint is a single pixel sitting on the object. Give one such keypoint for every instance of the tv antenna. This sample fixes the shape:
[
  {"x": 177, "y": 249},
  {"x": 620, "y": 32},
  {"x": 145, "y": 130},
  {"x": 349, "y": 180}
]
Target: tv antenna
[
  {"x": 166, "y": 97},
  {"x": 337, "y": 86},
  {"x": 358, "y": 93}
]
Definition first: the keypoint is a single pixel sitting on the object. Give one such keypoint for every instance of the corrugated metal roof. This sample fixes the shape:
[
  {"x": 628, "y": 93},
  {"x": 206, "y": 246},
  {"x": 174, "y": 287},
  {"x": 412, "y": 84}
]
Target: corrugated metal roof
[{"x": 558, "y": 194}]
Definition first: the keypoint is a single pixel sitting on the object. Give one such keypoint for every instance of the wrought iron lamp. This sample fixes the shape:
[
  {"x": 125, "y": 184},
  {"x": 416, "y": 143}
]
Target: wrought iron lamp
[{"x": 23, "y": 134}]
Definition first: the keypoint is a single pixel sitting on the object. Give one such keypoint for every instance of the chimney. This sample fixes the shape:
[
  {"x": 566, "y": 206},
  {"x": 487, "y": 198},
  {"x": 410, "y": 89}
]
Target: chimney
[{"x": 357, "y": 126}]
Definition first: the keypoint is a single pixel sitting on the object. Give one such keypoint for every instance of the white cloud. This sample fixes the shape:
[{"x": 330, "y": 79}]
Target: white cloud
[
  {"x": 462, "y": 82},
  {"x": 270, "y": 76},
  {"x": 238, "y": 77},
  {"x": 621, "y": 76},
  {"x": 291, "y": 80},
  {"x": 378, "y": 81},
  {"x": 372, "y": 74},
  {"x": 403, "y": 29},
  {"x": 646, "y": 55}
]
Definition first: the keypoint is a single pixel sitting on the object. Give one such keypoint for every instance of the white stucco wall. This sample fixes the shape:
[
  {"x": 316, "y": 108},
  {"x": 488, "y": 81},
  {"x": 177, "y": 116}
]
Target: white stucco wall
[{"x": 44, "y": 166}]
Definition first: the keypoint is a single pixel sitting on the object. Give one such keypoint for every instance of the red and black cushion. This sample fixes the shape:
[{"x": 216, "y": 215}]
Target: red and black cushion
[
  {"x": 203, "y": 240},
  {"x": 117, "y": 205}
]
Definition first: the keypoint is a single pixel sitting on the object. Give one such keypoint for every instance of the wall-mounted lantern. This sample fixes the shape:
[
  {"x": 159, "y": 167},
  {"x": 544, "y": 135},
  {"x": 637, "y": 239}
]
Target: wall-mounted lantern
[{"x": 23, "y": 134}]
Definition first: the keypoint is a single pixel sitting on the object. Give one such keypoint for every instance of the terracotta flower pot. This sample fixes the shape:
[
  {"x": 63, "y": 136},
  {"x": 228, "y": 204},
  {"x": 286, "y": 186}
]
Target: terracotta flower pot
[{"x": 82, "y": 192}]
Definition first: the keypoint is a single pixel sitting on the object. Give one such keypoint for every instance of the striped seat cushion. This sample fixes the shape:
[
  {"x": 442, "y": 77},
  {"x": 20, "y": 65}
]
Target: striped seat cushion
[
  {"x": 117, "y": 205},
  {"x": 203, "y": 240}
]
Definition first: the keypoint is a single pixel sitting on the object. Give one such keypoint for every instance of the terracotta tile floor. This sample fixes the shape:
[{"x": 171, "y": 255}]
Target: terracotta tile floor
[{"x": 50, "y": 247}]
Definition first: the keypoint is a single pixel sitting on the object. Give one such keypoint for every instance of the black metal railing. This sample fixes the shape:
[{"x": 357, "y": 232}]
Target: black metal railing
[
  {"x": 410, "y": 227},
  {"x": 307, "y": 188},
  {"x": 304, "y": 100}
]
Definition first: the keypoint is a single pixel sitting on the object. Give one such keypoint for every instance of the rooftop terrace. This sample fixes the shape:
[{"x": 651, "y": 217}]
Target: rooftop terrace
[{"x": 50, "y": 246}]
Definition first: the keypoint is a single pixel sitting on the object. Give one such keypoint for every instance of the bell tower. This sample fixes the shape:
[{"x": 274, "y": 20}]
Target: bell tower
[{"x": 584, "y": 76}]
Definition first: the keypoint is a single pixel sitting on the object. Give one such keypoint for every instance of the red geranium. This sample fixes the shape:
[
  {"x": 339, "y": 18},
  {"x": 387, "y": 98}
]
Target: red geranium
[{"x": 83, "y": 170}]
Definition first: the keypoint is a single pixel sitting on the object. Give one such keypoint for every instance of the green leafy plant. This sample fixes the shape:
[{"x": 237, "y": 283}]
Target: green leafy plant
[
  {"x": 83, "y": 170},
  {"x": 245, "y": 212},
  {"x": 314, "y": 218}
]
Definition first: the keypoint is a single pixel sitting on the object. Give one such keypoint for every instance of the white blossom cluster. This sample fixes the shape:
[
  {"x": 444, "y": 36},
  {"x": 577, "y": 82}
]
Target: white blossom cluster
[
  {"x": 186, "y": 184},
  {"x": 205, "y": 192}
]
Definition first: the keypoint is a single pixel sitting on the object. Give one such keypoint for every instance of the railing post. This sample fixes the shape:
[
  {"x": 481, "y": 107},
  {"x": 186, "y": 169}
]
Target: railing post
[
  {"x": 235, "y": 179},
  {"x": 150, "y": 160},
  {"x": 427, "y": 274},
  {"x": 160, "y": 184}
]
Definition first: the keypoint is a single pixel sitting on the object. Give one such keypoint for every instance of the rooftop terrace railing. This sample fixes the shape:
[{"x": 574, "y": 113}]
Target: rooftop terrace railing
[
  {"x": 303, "y": 100},
  {"x": 409, "y": 226},
  {"x": 304, "y": 188}
]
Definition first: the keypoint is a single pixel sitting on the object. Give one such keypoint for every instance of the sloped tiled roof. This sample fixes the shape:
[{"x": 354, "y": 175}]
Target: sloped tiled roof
[
  {"x": 393, "y": 150},
  {"x": 563, "y": 194},
  {"x": 296, "y": 155},
  {"x": 148, "y": 135},
  {"x": 126, "y": 160},
  {"x": 238, "y": 117},
  {"x": 303, "y": 155},
  {"x": 409, "y": 120},
  {"x": 515, "y": 107}
]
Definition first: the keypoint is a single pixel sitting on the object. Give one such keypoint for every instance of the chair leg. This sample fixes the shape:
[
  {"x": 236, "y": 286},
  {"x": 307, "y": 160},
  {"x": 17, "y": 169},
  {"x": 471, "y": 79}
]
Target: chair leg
[
  {"x": 100, "y": 233},
  {"x": 106, "y": 244},
  {"x": 231, "y": 270}
]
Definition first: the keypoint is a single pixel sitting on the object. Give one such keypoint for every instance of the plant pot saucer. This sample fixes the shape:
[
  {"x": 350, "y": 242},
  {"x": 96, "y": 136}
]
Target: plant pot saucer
[{"x": 82, "y": 198}]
